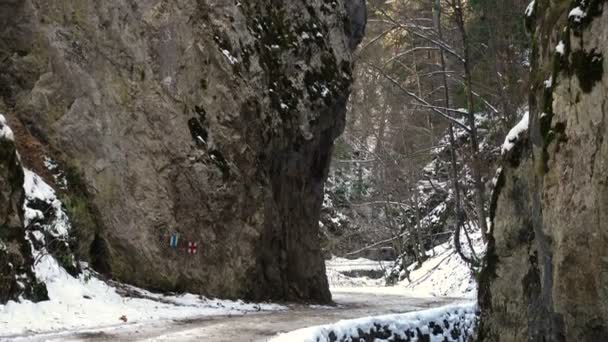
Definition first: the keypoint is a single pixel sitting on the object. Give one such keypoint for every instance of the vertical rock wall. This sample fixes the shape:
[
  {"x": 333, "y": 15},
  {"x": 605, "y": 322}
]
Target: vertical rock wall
[
  {"x": 17, "y": 279},
  {"x": 213, "y": 119},
  {"x": 546, "y": 274}
]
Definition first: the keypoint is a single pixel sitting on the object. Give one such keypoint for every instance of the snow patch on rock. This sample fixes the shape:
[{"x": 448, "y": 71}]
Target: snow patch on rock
[
  {"x": 515, "y": 133},
  {"x": 577, "y": 14},
  {"x": 5, "y": 131},
  {"x": 37, "y": 190},
  {"x": 561, "y": 48}
]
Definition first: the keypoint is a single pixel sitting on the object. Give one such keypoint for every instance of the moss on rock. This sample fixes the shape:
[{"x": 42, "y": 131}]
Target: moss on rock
[{"x": 588, "y": 68}]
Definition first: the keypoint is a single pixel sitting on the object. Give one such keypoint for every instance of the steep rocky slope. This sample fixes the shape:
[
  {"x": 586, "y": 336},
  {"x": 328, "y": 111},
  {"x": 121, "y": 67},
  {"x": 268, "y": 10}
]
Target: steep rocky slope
[
  {"x": 546, "y": 277},
  {"x": 17, "y": 278},
  {"x": 211, "y": 119}
]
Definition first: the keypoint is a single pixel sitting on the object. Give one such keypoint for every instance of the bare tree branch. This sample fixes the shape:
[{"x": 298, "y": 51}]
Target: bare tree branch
[{"x": 420, "y": 100}]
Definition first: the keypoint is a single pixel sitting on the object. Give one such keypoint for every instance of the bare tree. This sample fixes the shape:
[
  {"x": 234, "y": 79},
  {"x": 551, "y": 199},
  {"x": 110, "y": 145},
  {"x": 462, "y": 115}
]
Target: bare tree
[{"x": 416, "y": 70}]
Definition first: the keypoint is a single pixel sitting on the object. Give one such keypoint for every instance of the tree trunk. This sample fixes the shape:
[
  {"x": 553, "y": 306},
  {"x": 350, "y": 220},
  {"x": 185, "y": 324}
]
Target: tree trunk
[
  {"x": 453, "y": 160},
  {"x": 475, "y": 160}
]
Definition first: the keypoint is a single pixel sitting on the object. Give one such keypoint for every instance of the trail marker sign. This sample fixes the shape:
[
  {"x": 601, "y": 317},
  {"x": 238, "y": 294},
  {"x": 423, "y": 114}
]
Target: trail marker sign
[
  {"x": 192, "y": 247},
  {"x": 173, "y": 240}
]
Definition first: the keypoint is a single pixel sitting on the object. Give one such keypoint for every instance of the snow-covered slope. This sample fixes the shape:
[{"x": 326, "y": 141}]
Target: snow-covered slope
[
  {"x": 84, "y": 300},
  {"x": 443, "y": 274}
]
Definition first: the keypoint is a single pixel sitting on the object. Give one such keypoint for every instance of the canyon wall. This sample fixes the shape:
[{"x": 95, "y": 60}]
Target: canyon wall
[
  {"x": 214, "y": 120},
  {"x": 546, "y": 272}
]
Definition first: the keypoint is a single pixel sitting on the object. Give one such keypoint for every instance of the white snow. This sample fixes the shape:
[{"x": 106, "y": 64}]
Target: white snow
[
  {"x": 324, "y": 91},
  {"x": 36, "y": 189},
  {"x": 58, "y": 175},
  {"x": 464, "y": 314},
  {"x": 443, "y": 274},
  {"x": 5, "y": 132},
  {"x": 496, "y": 175},
  {"x": 577, "y": 14},
  {"x": 530, "y": 8},
  {"x": 231, "y": 59},
  {"x": 561, "y": 48},
  {"x": 84, "y": 302},
  {"x": 515, "y": 133},
  {"x": 167, "y": 81},
  {"x": 336, "y": 267}
]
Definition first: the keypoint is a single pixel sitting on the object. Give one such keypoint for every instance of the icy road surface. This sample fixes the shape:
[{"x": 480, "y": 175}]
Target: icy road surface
[{"x": 252, "y": 327}]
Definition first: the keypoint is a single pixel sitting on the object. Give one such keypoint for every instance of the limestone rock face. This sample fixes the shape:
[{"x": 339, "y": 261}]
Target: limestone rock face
[
  {"x": 546, "y": 274},
  {"x": 213, "y": 119}
]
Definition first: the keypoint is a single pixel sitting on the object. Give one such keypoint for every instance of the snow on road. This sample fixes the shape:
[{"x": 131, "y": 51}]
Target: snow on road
[
  {"x": 87, "y": 308},
  {"x": 86, "y": 302},
  {"x": 248, "y": 327}
]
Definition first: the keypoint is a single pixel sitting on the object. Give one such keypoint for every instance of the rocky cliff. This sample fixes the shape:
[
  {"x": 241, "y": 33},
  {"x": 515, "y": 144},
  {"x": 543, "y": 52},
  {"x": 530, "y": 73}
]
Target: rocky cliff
[
  {"x": 17, "y": 278},
  {"x": 214, "y": 120},
  {"x": 546, "y": 274}
]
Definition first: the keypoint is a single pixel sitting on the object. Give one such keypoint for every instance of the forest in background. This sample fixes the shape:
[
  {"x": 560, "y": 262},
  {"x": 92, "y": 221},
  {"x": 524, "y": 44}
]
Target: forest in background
[{"x": 438, "y": 85}]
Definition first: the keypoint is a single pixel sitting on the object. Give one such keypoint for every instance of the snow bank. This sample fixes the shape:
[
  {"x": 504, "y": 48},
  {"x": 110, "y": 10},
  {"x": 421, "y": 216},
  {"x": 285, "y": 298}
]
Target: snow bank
[
  {"x": 85, "y": 302},
  {"x": 449, "y": 323},
  {"x": 444, "y": 273},
  {"x": 515, "y": 133}
]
